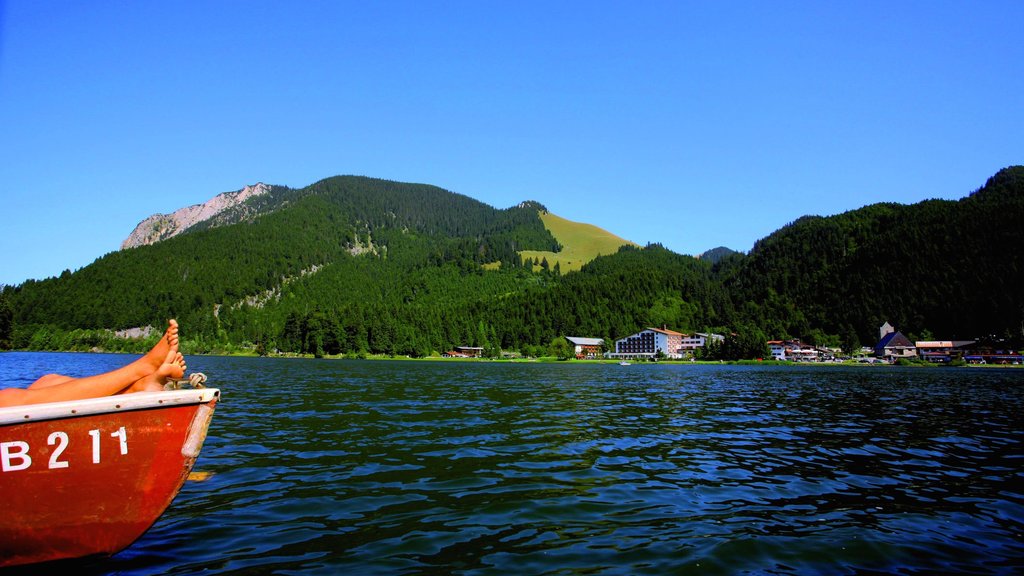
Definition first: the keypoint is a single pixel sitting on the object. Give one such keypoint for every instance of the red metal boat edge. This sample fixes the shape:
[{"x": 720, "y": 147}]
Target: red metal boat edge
[{"x": 89, "y": 477}]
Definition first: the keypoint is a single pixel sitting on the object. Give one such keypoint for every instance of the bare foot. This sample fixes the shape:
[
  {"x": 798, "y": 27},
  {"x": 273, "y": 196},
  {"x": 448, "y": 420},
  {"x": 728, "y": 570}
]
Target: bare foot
[
  {"x": 156, "y": 356},
  {"x": 172, "y": 367},
  {"x": 180, "y": 361}
]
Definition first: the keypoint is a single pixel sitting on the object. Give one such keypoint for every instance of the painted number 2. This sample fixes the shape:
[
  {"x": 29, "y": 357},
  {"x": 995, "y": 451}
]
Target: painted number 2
[{"x": 61, "y": 440}]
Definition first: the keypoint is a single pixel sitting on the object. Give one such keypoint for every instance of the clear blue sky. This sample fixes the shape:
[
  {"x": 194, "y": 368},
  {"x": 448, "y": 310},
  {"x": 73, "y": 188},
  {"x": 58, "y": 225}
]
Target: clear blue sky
[{"x": 692, "y": 124}]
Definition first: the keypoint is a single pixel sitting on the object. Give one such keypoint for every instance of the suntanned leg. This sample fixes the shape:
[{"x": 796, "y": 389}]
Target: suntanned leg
[
  {"x": 147, "y": 364},
  {"x": 50, "y": 380},
  {"x": 171, "y": 366}
]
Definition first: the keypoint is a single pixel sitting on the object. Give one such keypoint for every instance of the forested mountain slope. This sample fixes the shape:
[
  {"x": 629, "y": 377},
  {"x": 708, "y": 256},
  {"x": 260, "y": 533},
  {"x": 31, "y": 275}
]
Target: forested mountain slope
[
  {"x": 332, "y": 222},
  {"x": 361, "y": 265},
  {"x": 953, "y": 269}
]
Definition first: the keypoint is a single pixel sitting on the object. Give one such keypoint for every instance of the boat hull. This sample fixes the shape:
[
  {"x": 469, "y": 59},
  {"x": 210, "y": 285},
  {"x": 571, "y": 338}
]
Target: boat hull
[{"x": 90, "y": 477}]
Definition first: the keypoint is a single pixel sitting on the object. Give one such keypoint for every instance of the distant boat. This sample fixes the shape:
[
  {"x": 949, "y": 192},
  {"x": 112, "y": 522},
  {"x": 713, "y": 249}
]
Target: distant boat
[
  {"x": 89, "y": 477},
  {"x": 623, "y": 363}
]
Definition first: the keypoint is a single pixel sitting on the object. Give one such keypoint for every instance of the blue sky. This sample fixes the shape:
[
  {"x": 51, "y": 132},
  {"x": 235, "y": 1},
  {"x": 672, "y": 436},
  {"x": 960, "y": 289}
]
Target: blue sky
[{"x": 692, "y": 124}]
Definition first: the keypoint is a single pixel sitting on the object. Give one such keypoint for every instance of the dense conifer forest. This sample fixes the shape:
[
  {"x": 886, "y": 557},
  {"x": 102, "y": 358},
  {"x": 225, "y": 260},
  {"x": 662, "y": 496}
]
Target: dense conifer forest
[{"x": 353, "y": 265}]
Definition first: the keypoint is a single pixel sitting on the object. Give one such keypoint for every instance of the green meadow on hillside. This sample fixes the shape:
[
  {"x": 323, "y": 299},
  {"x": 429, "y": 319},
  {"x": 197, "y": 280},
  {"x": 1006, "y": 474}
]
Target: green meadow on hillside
[{"x": 581, "y": 243}]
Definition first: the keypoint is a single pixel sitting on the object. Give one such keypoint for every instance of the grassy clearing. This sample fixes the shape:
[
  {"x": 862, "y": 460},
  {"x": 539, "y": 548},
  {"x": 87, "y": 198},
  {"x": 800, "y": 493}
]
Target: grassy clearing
[{"x": 580, "y": 242}]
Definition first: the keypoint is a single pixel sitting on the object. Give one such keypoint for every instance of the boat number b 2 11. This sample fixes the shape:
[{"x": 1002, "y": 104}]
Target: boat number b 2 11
[{"x": 16, "y": 455}]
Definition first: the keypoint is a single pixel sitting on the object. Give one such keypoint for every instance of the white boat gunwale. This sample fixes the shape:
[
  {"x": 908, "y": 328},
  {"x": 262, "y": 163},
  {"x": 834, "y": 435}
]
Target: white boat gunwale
[{"x": 105, "y": 405}]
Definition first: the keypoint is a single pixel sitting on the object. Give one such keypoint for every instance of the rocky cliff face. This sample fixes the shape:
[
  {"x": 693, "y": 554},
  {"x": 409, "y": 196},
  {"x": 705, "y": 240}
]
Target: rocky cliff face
[{"x": 162, "y": 226}]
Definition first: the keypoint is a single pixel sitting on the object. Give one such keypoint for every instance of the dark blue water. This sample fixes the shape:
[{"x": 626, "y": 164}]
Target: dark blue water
[{"x": 328, "y": 466}]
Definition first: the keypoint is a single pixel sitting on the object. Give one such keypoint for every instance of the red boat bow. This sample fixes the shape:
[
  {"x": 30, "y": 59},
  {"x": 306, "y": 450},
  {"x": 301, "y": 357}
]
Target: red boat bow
[{"x": 89, "y": 477}]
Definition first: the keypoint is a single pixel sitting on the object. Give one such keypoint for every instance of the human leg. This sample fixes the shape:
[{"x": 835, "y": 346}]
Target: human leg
[
  {"x": 49, "y": 380},
  {"x": 136, "y": 376},
  {"x": 141, "y": 367}
]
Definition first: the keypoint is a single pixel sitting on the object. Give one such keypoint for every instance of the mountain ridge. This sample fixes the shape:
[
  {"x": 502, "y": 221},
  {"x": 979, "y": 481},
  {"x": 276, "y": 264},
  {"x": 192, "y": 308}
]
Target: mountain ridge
[
  {"x": 163, "y": 226},
  {"x": 354, "y": 264},
  {"x": 236, "y": 206}
]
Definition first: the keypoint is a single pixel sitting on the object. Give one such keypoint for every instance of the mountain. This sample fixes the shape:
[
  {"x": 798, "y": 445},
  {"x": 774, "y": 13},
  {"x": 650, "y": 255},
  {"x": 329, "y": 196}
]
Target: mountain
[
  {"x": 579, "y": 243},
  {"x": 163, "y": 226},
  {"x": 346, "y": 240},
  {"x": 953, "y": 269},
  {"x": 716, "y": 255},
  {"x": 362, "y": 265}
]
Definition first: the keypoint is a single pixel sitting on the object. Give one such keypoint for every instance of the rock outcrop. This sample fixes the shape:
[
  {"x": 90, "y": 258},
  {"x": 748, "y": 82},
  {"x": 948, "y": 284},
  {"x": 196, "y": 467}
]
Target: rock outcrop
[{"x": 162, "y": 226}]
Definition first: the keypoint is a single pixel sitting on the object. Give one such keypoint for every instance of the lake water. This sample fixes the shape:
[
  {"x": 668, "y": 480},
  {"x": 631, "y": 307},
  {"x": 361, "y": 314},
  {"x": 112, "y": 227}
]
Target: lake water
[{"x": 372, "y": 467}]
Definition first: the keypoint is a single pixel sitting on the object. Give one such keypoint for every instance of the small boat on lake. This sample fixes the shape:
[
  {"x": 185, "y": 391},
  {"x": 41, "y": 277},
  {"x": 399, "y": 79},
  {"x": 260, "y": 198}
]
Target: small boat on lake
[
  {"x": 89, "y": 477},
  {"x": 623, "y": 363}
]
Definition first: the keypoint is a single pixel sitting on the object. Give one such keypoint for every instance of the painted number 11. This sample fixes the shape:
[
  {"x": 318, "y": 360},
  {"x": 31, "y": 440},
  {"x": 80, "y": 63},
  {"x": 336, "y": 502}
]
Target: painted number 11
[{"x": 120, "y": 434}]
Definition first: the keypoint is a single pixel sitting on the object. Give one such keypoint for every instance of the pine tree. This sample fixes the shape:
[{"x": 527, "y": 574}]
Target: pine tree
[{"x": 6, "y": 322}]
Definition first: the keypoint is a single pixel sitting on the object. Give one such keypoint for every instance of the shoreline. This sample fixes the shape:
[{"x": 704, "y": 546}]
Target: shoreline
[{"x": 541, "y": 360}]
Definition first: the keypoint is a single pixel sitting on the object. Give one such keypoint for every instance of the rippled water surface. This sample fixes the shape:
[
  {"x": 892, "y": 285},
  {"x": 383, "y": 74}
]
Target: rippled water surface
[{"x": 330, "y": 466}]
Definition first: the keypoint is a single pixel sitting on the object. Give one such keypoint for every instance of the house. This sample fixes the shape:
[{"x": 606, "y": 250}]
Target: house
[
  {"x": 586, "y": 347},
  {"x": 804, "y": 353},
  {"x": 778, "y": 348},
  {"x": 649, "y": 343},
  {"x": 470, "y": 351},
  {"x": 984, "y": 351},
  {"x": 893, "y": 345},
  {"x": 691, "y": 343},
  {"x": 828, "y": 354},
  {"x": 793, "y": 351},
  {"x": 943, "y": 351}
]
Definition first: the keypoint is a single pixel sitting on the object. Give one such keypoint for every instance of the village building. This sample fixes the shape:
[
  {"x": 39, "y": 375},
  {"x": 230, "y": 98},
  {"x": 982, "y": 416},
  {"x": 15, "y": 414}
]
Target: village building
[
  {"x": 793, "y": 351},
  {"x": 943, "y": 351},
  {"x": 970, "y": 351},
  {"x": 469, "y": 351},
  {"x": 778, "y": 349},
  {"x": 691, "y": 343},
  {"x": 884, "y": 329},
  {"x": 994, "y": 356},
  {"x": 893, "y": 345},
  {"x": 586, "y": 348},
  {"x": 649, "y": 343}
]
